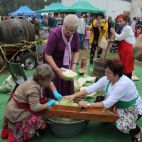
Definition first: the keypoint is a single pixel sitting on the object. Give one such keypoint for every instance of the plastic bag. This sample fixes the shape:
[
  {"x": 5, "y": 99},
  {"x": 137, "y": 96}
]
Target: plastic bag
[
  {"x": 7, "y": 86},
  {"x": 103, "y": 43}
]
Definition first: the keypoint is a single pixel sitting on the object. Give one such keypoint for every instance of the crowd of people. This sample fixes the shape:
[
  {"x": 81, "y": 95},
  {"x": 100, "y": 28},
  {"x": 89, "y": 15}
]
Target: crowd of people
[
  {"x": 85, "y": 31},
  {"x": 22, "y": 119}
]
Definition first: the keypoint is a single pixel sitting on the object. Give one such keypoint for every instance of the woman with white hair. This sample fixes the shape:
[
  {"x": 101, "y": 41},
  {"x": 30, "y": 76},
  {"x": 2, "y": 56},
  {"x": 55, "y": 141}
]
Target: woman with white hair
[{"x": 62, "y": 50}]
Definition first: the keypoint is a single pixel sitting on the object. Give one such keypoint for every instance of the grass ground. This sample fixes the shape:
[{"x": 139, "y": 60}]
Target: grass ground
[{"x": 95, "y": 132}]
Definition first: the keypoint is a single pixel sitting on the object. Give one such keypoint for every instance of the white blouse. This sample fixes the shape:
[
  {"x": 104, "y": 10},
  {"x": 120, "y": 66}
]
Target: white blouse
[
  {"x": 127, "y": 34},
  {"x": 123, "y": 90}
]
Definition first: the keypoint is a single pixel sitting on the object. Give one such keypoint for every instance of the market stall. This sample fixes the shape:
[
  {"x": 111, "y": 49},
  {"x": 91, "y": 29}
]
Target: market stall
[
  {"x": 82, "y": 6},
  {"x": 53, "y": 7},
  {"x": 23, "y": 11}
]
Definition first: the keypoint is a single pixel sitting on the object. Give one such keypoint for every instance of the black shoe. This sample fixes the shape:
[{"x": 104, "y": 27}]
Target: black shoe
[{"x": 98, "y": 56}]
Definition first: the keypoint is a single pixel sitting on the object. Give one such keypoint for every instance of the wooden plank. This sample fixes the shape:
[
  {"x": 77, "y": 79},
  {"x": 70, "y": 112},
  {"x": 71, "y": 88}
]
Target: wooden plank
[{"x": 100, "y": 115}]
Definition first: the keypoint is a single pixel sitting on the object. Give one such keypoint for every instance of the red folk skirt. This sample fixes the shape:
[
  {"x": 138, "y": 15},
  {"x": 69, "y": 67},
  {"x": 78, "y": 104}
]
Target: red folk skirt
[
  {"x": 26, "y": 129},
  {"x": 125, "y": 51}
]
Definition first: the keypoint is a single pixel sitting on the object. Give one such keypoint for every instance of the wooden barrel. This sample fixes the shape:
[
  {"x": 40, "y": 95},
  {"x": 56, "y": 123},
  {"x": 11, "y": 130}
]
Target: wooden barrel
[
  {"x": 99, "y": 68},
  {"x": 16, "y": 30}
]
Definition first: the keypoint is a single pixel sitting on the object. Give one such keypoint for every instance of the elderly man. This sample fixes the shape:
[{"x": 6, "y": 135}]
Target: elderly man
[
  {"x": 62, "y": 50},
  {"x": 81, "y": 30}
]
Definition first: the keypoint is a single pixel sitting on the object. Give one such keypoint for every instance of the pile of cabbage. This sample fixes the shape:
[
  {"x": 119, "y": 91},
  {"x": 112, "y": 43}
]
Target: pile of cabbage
[
  {"x": 84, "y": 81},
  {"x": 63, "y": 120},
  {"x": 79, "y": 84},
  {"x": 66, "y": 103}
]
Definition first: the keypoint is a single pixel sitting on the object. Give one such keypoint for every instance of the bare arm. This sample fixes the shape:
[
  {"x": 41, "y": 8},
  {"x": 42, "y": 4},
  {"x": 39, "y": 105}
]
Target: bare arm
[
  {"x": 89, "y": 90},
  {"x": 52, "y": 87},
  {"x": 50, "y": 60},
  {"x": 75, "y": 60},
  {"x": 52, "y": 63},
  {"x": 81, "y": 93},
  {"x": 97, "y": 105},
  {"x": 78, "y": 94},
  {"x": 92, "y": 105}
]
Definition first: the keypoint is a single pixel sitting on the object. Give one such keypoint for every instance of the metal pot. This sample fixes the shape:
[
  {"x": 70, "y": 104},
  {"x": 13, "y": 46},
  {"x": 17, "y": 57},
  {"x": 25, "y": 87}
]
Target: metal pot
[{"x": 66, "y": 129}]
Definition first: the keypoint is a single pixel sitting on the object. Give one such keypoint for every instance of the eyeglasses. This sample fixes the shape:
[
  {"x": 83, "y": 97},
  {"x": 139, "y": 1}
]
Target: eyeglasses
[{"x": 71, "y": 30}]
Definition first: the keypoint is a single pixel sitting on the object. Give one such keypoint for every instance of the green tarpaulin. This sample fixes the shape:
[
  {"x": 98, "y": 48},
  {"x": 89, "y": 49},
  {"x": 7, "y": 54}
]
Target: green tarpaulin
[
  {"x": 82, "y": 6},
  {"x": 53, "y": 7}
]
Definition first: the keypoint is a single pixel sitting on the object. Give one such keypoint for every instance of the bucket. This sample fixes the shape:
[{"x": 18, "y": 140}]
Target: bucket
[
  {"x": 99, "y": 68},
  {"x": 67, "y": 128}
]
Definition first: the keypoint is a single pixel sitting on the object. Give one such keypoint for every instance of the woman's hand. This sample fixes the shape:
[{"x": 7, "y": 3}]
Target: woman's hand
[
  {"x": 51, "y": 103},
  {"x": 84, "y": 104},
  {"x": 75, "y": 95},
  {"x": 59, "y": 73},
  {"x": 70, "y": 97},
  {"x": 112, "y": 30}
]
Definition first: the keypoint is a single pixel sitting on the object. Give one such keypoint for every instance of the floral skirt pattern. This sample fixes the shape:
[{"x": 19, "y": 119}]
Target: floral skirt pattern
[
  {"x": 127, "y": 119},
  {"x": 22, "y": 130}
]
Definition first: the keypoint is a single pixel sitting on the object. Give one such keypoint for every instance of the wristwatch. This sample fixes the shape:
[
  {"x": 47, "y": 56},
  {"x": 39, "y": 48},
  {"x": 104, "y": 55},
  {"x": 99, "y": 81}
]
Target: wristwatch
[{"x": 74, "y": 63}]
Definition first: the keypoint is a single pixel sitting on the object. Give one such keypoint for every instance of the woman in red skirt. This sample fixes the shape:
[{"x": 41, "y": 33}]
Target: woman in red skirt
[
  {"x": 22, "y": 119},
  {"x": 126, "y": 40}
]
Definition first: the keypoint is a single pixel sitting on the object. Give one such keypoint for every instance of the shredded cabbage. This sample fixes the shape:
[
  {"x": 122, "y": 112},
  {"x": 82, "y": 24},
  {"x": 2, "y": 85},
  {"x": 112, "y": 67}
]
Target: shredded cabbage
[
  {"x": 66, "y": 103},
  {"x": 90, "y": 79}
]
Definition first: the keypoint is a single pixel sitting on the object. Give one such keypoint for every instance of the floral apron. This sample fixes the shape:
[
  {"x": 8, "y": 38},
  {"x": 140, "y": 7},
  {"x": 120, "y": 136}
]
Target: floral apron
[
  {"x": 127, "y": 112},
  {"x": 26, "y": 129}
]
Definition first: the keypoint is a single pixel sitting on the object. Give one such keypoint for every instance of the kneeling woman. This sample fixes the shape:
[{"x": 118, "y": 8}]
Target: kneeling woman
[
  {"x": 22, "y": 120},
  {"x": 121, "y": 92}
]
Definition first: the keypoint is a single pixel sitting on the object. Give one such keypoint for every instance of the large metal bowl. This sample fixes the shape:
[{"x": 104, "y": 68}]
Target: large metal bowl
[{"x": 66, "y": 129}]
